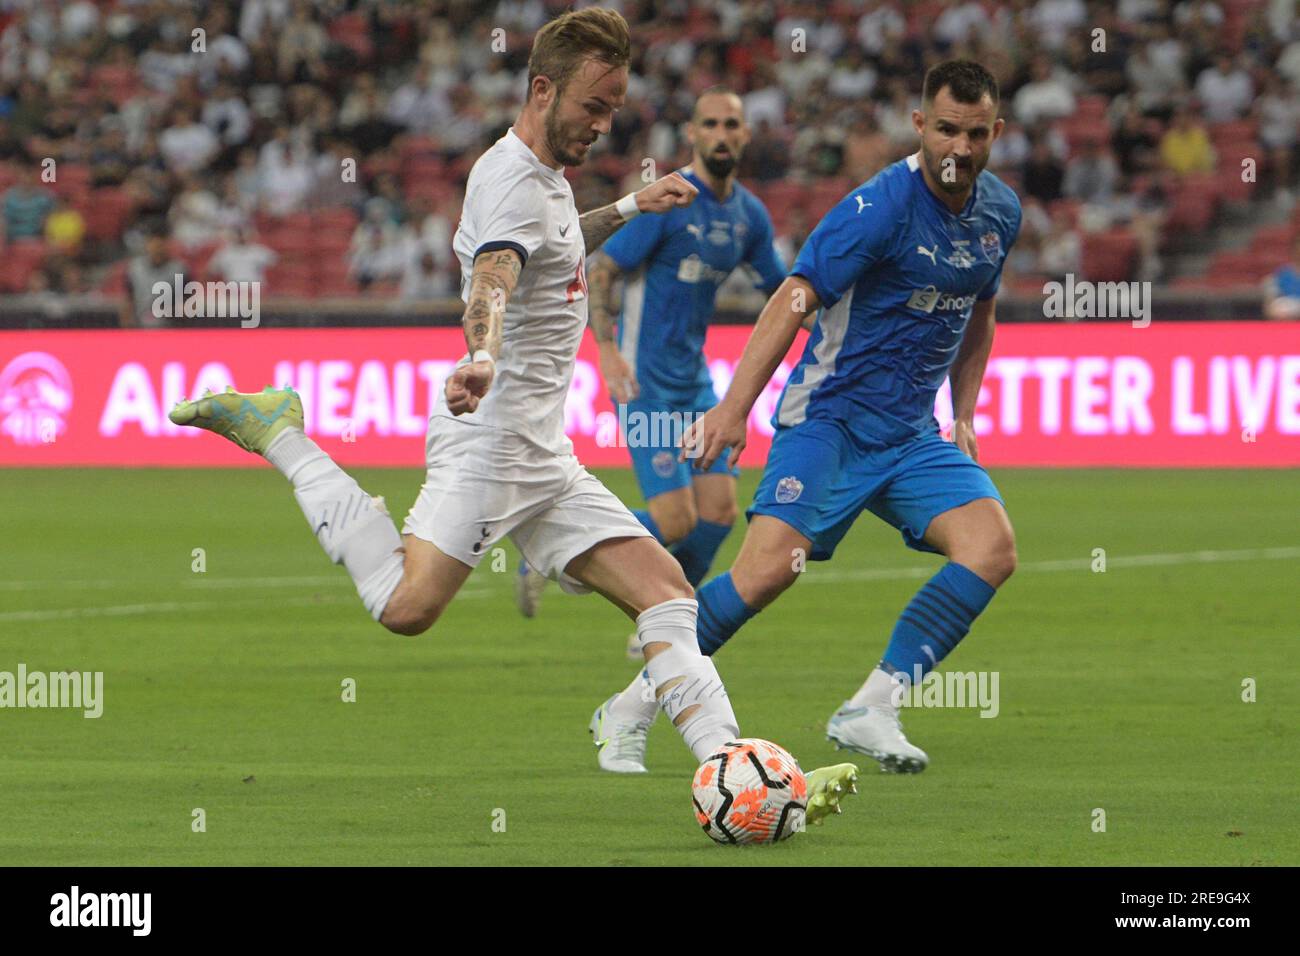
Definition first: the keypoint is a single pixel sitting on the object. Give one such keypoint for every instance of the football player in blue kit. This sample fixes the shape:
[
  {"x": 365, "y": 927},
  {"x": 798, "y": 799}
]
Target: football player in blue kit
[{"x": 904, "y": 271}]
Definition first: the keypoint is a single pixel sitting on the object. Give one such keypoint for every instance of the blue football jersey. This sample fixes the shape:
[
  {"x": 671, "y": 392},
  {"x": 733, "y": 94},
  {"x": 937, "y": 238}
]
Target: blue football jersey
[
  {"x": 674, "y": 263},
  {"x": 897, "y": 274}
]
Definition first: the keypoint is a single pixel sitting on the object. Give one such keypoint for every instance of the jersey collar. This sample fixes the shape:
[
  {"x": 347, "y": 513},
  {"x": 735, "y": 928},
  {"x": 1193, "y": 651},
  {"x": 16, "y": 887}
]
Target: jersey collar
[{"x": 967, "y": 211}]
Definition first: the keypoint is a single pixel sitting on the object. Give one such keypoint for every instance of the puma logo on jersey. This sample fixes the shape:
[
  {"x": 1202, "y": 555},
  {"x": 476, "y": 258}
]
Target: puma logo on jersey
[
  {"x": 695, "y": 230},
  {"x": 929, "y": 252},
  {"x": 861, "y": 205}
]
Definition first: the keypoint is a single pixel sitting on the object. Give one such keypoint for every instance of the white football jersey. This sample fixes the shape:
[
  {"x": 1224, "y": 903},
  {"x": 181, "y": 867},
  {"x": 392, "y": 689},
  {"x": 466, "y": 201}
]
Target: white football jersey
[{"x": 513, "y": 201}]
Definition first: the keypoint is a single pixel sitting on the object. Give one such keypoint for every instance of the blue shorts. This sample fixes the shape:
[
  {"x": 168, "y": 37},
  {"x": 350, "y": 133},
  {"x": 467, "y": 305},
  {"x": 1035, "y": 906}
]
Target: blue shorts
[
  {"x": 655, "y": 449},
  {"x": 819, "y": 478}
]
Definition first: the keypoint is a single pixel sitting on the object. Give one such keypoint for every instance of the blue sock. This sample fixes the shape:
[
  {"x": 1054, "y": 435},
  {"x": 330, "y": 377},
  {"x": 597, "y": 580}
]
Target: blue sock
[
  {"x": 649, "y": 522},
  {"x": 936, "y": 620},
  {"x": 696, "y": 551},
  {"x": 722, "y": 612}
]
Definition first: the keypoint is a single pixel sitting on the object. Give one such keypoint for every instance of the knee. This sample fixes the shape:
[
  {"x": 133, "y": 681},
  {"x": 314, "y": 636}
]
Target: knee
[
  {"x": 723, "y": 513},
  {"x": 409, "y": 621},
  {"x": 760, "y": 586},
  {"x": 995, "y": 559},
  {"x": 674, "y": 523}
]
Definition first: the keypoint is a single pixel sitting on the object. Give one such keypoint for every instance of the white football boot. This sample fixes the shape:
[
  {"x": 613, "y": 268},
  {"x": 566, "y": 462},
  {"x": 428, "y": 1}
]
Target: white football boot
[
  {"x": 877, "y": 733},
  {"x": 529, "y": 585},
  {"x": 620, "y": 746}
]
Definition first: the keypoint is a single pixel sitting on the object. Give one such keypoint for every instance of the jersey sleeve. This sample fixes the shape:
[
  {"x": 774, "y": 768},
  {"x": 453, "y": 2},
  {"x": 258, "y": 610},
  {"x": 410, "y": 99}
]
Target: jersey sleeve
[
  {"x": 634, "y": 241},
  {"x": 509, "y": 213},
  {"x": 850, "y": 239},
  {"x": 762, "y": 253}
]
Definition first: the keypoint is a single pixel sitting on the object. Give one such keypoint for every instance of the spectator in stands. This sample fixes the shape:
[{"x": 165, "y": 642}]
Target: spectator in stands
[
  {"x": 227, "y": 115},
  {"x": 419, "y": 106},
  {"x": 1278, "y": 113},
  {"x": 881, "y": 26},
  {"x": 300, "y": 52},
  {"x": 1092, "y": 176},
  {"x": 242, "y": 260},
  {"x": 288, "y": 172},
  {"x": 1225, "y": 92},
  {"x": 65, "y": 229},
  {"x": 232, "y": 212},
  {"x": 1185, "y": 147},
  {"x": 1132, "y": 143},
  {"x": 378, "y": 249},
  {"x": 422, "y": 280},
  {"x": 110, "y": 161},
  {"x": 1156, "y": 80},
  {"x": 26, "y": 205},
  {"x": 1043, "y": 173},
  {"x": 151, "y": 266},
  {"x": 331, "y": 187},
  {"x": 1282, "y": 288},
  {"x": 1045, "y": 98},
  {"x": 187, "y": 145},
  {"x": 1061, "y": 251},
  {"x": 193, "y": 215}
]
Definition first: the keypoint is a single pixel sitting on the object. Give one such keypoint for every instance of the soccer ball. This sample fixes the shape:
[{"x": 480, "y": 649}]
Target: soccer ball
[{"x": 749, "y": 791}]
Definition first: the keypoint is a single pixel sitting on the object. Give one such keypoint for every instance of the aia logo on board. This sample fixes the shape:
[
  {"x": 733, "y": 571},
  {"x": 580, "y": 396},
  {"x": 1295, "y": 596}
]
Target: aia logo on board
[{"x": 35, "y": 398}]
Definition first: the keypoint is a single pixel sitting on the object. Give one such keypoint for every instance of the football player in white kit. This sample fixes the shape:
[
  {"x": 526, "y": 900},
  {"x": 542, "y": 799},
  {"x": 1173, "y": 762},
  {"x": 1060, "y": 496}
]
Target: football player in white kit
[{"x": 498, "y": 460}]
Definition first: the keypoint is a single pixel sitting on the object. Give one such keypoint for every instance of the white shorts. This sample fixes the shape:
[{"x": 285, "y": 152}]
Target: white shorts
[{"x": 485, "y": 483}]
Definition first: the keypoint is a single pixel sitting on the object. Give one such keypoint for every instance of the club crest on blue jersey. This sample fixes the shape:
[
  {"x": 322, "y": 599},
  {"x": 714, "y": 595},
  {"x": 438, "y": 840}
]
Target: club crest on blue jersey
[
  {"x": 991, "y": 245},
  {"x": 788, "y": 489},
  {"x": 663, "y": 463}
]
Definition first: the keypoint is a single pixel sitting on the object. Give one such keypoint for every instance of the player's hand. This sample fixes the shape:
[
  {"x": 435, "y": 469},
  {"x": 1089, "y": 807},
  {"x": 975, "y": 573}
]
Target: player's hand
[
  {"x": 618, "y": 375},
  {"x": 667, "y": 193},
  {"x": 711, "y": 435},
  {"x": 466, "y": 385},
  {"x": 963, "y": 436}
]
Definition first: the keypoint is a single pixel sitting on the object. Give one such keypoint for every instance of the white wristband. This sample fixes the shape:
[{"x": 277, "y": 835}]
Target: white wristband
[
  {"x": 483, "y": 355},
  {"x": 627, "y": 207}
]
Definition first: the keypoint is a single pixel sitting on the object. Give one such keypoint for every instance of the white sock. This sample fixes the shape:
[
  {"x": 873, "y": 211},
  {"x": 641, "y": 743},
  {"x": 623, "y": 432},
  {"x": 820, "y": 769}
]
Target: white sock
[
  {"x": 636, "y": 704},
  {"x": 877, "y": 691},
  {"x": 696, "y": 680},
  {"x": 353, "y": 528}
]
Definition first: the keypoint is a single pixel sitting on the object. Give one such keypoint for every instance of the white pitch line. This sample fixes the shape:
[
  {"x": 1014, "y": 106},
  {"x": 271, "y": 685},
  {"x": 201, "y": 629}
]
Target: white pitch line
[
  {"x": 168, "y": 607},
  {"x": 833, "y": 576},
  {"x": 816, "y": 576}
]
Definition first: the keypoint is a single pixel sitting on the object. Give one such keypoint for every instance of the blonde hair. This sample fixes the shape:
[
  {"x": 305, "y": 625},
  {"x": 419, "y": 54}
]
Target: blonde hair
[{"x": 561, "y": 46}]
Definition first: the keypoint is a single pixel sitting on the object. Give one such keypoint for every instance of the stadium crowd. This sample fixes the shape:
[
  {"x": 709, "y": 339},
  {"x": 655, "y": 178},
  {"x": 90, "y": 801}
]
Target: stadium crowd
[{"x": 321, "y": 146}]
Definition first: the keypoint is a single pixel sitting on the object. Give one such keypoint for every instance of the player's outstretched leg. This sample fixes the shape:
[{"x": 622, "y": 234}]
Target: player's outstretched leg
[
  {"x": 353, "y": 528},
  {"x": 764, "y": 569},
  {"x": 980, "y": 545}
]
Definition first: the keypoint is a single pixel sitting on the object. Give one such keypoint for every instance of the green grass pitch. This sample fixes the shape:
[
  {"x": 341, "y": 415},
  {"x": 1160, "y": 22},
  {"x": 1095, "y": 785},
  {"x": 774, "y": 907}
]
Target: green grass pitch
[{"x": 1119, "y": 690}]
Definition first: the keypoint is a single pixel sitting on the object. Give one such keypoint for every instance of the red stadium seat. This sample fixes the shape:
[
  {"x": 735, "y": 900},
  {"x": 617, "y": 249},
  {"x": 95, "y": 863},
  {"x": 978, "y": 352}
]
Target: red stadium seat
[
  {"x": 114, "y": 281},
  {"x": 108, "y": 212},
  {"x": 1109, "y": 256}
]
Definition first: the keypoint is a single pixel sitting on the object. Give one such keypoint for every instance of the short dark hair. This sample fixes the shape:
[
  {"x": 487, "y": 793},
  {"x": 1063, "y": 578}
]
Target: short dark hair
[
  {"x": 561, "y": 47},
  {"x": 966, "y": 80},
  {"x": 718, "y": 89}
]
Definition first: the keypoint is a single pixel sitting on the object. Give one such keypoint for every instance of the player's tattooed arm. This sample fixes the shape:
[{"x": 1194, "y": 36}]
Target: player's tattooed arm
[
  {"x": 600, "y": 284},
  {"x": 967, "y": 374},
  {"x": 491, "y": 284},
  {"x": 493, "y": 280},
  {"x": 619, "y": 376},
  {"x": 598, "y": 225},
  {"x": 661, "y": 195}
]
